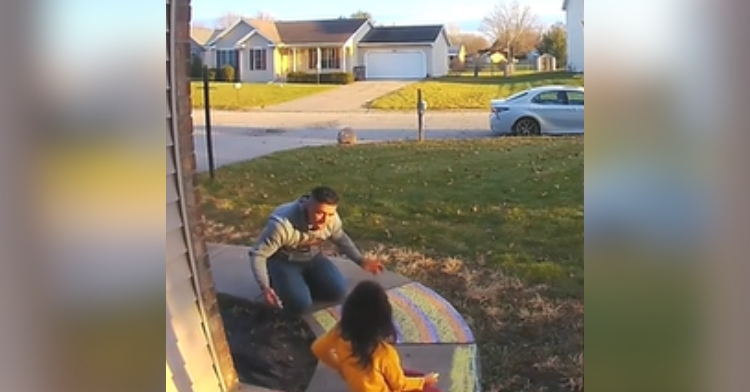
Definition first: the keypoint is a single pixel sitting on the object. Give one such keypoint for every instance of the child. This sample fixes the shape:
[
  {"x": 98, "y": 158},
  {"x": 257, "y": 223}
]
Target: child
[{"x": 360, "y": 347}]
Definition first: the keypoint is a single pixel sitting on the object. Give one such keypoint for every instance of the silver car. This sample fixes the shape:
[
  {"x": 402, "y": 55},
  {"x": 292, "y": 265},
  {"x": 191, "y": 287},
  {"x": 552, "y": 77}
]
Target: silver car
[{"x": 553, "y": 110}]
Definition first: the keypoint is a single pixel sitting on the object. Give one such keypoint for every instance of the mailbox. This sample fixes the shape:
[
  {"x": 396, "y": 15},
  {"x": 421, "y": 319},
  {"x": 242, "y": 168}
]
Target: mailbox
[{"x": 421, "y": 107}]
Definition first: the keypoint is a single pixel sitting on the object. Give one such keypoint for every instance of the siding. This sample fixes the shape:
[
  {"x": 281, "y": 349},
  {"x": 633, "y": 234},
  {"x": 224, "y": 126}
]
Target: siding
[
  {"x": 573, "y": 18},
  {"x": 257, "y": 42},
  {"x": 354, "y": 59},
  {"x": 189, "y": 360},
  {"x": 440, "y": 62},
  {"x": 230, "y": 40}
]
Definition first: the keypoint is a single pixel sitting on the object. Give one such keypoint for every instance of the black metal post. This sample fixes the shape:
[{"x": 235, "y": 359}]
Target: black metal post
[
  {"x": 209, "y": 137},
  {"x": 420, "y": 114}
]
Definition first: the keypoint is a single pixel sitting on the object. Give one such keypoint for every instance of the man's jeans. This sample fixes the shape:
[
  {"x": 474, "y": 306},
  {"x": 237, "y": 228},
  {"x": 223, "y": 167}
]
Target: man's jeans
[{"x": 299, "y": 283}]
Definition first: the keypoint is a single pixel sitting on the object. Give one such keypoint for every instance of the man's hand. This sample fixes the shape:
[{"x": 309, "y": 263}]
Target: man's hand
[
  {"x": 272, "y": 299},
  {"x": 431, "y": 379},
  {"x": 373, "y": 266}
]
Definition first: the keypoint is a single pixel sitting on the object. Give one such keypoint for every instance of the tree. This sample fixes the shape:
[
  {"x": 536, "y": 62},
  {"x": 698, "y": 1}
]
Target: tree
[
  {"x": 361, "y": 15},
  {"x": 453, "y": 32},
  {"x": 261, "y": 15},
  {"x": 555, "y": 42},
  {"x": 472, "y": 42},
  {"x": 227, "y": 20},
  {"x": 512, "y": 27}
]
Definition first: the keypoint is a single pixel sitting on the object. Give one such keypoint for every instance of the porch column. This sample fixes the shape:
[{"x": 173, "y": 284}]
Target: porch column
[
  {"x": 318, "y": 63},
  {"x": 343, "y": 55},
  {"x": 294, "y": 59}
]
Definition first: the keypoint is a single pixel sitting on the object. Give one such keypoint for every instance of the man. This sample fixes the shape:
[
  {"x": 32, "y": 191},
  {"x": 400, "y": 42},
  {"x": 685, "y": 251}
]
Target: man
[{"x": 287, "y": 261}]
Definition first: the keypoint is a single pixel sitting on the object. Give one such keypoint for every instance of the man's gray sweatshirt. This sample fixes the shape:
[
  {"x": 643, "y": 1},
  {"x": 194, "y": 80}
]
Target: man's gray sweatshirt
[{"x": 287, "y": 237}]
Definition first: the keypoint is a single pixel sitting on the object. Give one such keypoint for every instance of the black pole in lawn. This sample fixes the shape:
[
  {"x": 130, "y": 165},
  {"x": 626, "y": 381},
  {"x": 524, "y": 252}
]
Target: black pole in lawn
[{"x": 207, "y": 107}]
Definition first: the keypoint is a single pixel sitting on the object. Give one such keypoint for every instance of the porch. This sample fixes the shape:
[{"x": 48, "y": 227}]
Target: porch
[{"x": 314, "y": 59}]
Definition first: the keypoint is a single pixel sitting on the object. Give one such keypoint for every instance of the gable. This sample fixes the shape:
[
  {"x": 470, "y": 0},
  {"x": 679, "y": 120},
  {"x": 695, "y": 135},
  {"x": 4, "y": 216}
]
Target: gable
[{"x": 233, "y": 35}]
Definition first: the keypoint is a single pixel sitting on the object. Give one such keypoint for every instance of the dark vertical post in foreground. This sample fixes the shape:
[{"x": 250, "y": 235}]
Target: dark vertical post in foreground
[{"x": 207, "y": 107}]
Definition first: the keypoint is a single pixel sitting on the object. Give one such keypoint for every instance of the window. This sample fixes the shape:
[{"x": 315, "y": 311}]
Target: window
[
  {"x": 575, "y": 98},
  {"x": 551, "y": 98},
  {"x": 516, "y": 97},
  {"x": 224, "y": 57},
  {"x": 330, "y": 58},
  {"x": 257, "y": 60}
]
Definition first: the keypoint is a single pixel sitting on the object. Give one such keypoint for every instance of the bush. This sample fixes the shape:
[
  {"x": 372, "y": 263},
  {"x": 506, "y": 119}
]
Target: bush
[
  {"x": 196, "y": 67},
  {"x": 227, "y": 73},
  {"x": 325, "y": 78},
  {"x": 213, "y": 74},
  {"x": 457, "y": 65}
]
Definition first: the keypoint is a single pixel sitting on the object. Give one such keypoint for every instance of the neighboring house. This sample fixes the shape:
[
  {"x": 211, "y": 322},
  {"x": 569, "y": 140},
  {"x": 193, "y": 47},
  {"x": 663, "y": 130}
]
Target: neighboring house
[
  {"x": 199, "y": 36},
  {"x": 574, "y": 26},
  {"x": 457, "y": 53},
  {"x": 265, "y": 51}
]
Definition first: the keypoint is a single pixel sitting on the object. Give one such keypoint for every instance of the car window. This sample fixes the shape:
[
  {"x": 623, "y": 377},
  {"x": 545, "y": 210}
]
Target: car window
[
  {"x": 517, "y": 96},
  {"x": 575, "y": 98},
  {"x": 550, "y": 98}
]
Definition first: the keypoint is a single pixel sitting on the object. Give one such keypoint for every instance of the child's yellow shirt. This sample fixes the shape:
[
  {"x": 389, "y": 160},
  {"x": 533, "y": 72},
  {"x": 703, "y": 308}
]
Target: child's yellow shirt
[{"x": 385, "y": 374}]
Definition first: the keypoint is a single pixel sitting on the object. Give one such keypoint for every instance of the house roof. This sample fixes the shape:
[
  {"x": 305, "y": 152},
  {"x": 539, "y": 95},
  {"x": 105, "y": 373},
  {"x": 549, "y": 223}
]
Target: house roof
[
  {"x": 318, "y": 31},
  {"x": 202, "y": 35},
  {"x": 266, "y": 28},
  {"x": 403, "y": 34}
]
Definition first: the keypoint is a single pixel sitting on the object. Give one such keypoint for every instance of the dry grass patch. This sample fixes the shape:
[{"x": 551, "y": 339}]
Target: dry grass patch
[{"x": 529, "y": 340}]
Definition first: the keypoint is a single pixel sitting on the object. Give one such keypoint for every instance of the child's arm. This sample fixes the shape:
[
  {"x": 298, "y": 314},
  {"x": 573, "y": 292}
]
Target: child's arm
[
  {"x": 394, "y": 373},
  {"x": 323, "y": 346}
]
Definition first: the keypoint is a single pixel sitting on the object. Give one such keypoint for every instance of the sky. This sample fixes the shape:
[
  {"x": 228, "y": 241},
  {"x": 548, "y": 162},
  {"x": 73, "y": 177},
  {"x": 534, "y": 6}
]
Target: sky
[{"x": 467, "y": 14}]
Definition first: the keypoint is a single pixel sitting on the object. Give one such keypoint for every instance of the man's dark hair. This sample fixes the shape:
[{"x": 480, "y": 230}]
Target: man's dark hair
[{"x": 325, "y": 195}]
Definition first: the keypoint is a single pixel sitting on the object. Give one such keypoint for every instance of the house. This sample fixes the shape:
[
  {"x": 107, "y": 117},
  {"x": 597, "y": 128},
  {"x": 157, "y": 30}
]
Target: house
[
  {"x": 574, "y": 26},
  {"x": 265, "y": 51},
  {"x": 457, "y": 53},
  {"x": 199, "y": 36},
  {"x": 197, "y": 353}
]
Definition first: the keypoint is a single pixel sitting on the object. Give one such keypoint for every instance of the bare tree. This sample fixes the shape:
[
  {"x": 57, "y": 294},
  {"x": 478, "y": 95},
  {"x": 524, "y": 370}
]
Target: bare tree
[
  {"x": 512, "y": 27},
  {"x": 474, "y": 43},
  {"x": 261, "y": 15},
  {"x": 227, "y": 20},
  {"x": 453, "y": 31}
]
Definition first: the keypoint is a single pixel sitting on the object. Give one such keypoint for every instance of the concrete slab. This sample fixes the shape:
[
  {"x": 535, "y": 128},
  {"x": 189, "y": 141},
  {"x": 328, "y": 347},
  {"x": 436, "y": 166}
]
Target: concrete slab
[
  {"x": 456, "y": 365},
  {"x": 230, "y": 265},
  {"x": 421, "y": 317},
  {"x": 352, "y": 97}
]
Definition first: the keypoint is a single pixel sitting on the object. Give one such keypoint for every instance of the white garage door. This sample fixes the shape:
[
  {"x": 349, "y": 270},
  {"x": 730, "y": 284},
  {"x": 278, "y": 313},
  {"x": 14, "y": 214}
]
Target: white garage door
[{"x": 395, "y": 65}]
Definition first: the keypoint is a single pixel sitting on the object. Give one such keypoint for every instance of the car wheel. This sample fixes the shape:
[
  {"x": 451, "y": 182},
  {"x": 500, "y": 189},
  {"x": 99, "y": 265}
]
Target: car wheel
[{"x": 526, "y": 126}]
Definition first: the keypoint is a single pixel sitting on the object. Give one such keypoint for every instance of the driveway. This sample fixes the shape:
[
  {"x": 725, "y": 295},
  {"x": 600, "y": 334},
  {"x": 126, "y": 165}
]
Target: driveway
[{"x": 349, "y": 98}]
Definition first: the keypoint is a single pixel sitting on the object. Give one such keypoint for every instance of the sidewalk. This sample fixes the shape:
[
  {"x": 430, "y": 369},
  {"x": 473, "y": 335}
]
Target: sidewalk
[{"x": 433, "y": 337}]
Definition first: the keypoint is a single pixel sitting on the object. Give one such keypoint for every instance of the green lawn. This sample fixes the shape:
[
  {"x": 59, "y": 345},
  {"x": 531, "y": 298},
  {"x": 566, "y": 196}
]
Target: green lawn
[
  {"x": 225, "y": 96},
  {"x": 495, "y": 226},
  {"x": 467, "y": 92}
]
